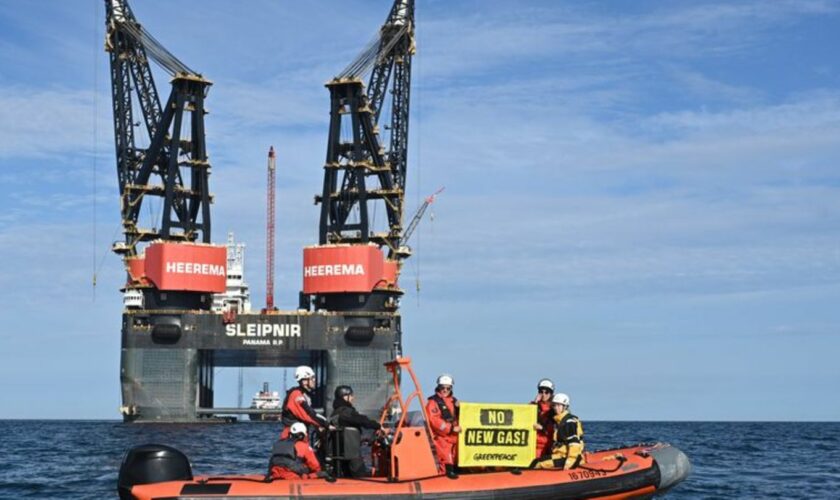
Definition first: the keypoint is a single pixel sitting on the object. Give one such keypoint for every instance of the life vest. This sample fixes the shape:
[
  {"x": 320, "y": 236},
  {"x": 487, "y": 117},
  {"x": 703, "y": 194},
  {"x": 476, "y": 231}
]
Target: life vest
[
  {"x": 287, "y": 417},
  {"x": 445, "y": 414},
  {"x": 283, "y": 454},
  {"x": 545, "y": 417},
  {"x": 568, "y": 430}
]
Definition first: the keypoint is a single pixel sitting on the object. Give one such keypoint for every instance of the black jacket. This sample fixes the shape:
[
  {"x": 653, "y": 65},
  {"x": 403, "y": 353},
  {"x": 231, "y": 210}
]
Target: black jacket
[{"x": 346, "y": 416}]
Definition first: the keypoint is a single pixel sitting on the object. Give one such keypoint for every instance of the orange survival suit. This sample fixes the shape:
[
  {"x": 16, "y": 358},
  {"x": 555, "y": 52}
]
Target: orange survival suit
[
  {"x": 297, "y": 407},
  {"x": 294, "y": 459},
  {"x": 545, "y": 436},
  {"x": 443, "y": 413}
]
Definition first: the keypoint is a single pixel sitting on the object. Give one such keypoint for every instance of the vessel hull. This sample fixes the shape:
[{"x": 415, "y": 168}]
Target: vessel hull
[
  {"x": 638, "y": 474},
  {"x": 168, "y": 358}
]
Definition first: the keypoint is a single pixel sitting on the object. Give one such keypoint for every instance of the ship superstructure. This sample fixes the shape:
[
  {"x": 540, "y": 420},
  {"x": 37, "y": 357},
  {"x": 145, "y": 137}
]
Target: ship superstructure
[
  {"x": 266, "y": 400},
  {"x": 236, "y": 298}
]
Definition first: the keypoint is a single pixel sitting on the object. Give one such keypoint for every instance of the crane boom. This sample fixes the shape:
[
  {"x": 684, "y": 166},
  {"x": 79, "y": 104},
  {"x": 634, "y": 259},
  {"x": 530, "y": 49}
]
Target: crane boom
[
  {"x": 361, "y": 172},
  {"x": 172, "y": 166},
  {"x": 418, "y": 216},
  {"x": 269, "y": 230},
  {"x": 364, "y": 175}
]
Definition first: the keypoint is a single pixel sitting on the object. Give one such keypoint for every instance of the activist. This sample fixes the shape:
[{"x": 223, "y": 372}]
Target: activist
[
  {"x": 297, "y": 407},
  {"x": 346, "y": 415},
  {"x": 568, "y": 437},
  {"x": 443, "y": 409},
  {"x": 293, "y": 458},
  {"x": 545, "y": 417}
]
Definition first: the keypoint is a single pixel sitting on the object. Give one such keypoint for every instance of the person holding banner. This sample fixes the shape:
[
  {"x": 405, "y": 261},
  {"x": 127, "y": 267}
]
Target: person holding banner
[
  {"x": 443, "y": 409},
  {"x": 568, "y": 437},
  {"x": 545, "y": 417}
]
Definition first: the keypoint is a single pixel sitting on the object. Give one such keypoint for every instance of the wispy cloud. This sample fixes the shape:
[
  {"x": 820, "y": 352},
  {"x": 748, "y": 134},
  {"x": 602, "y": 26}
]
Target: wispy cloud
[
  {"x": 708, "y": 88},
  {"x": 43, "y": 122},
  {"x": 569, "y": 37}
]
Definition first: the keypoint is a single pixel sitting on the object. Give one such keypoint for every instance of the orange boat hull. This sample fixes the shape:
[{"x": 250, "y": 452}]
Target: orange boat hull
[{"x": 634, "y": 472}]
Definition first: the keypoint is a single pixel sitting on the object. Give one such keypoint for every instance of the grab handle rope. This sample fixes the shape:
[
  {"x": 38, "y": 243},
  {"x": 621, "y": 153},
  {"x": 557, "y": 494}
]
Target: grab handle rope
[{"x": 619, "y": 458}]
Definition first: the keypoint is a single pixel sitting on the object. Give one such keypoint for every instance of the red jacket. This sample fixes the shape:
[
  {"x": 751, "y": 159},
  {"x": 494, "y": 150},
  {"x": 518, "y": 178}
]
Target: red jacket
[
  {"x": 441, "y": 424},
  {"x": 545, "y": 437},
  {"x": 306, "y": 455},
  {"x": 443, "y": 417},
  {"x": 298, "y": 408},
  {"x": 545, "y": 417}
]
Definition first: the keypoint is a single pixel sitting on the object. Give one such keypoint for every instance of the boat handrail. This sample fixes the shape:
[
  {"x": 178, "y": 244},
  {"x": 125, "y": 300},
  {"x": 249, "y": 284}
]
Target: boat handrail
[{"x": 395, "y": 368}]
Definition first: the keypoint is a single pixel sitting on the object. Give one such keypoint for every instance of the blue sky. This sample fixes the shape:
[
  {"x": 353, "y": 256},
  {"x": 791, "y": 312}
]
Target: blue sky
[{"x": 642, "y": 198}]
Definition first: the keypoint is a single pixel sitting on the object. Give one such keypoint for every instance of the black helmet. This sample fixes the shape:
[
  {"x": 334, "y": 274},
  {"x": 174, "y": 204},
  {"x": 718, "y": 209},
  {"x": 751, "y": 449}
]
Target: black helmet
[{"x": 343, "y": 390}]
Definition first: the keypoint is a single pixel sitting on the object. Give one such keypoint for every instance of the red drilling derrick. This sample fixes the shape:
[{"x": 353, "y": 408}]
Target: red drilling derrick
[{"x": 269, "y": 233}]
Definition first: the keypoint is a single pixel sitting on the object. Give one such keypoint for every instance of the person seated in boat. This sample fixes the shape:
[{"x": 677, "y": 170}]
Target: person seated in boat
[
  {"x": 293, "y": 458},
  {"x": 443, "y": 409},
  {"x": 346, "y": 415},
  {"x": 545, "y": 417},
  {"x": 297, "y": 407},
  {"x": 568, "y": 437}
]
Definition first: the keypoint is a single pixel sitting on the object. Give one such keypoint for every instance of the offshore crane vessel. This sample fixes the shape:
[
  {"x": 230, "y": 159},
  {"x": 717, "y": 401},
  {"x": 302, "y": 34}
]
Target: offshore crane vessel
[{"x": 347, "y": 325}]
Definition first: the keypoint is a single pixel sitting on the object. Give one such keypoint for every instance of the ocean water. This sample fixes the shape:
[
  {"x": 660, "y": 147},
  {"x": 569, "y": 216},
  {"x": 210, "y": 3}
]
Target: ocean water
[{"x": 80, "y": 459}]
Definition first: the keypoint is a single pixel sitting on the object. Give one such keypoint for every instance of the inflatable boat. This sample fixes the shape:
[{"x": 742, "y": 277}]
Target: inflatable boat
[{"x": 404, "y": 467}]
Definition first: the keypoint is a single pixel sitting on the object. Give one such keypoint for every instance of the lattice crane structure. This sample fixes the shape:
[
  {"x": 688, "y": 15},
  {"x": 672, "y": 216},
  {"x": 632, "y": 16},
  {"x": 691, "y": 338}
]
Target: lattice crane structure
[
  {"x": 366, "y": 166},
  {"x": 173, "y": 164},
  {"x": 360, "y": 170},
  {"x": 269, "y": 230}
]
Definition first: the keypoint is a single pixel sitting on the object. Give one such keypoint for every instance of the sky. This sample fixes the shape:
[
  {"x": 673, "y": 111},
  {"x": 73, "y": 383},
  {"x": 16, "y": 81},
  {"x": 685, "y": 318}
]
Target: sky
[{"x": 642, "y": 198}]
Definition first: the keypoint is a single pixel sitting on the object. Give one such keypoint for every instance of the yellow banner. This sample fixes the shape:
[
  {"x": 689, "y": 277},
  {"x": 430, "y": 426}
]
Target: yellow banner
[{"x": 497, "y": 435}]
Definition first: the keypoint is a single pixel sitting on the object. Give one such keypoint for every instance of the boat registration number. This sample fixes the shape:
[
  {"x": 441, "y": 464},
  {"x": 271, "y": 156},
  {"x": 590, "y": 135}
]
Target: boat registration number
[{"x": 586, "y": 474}]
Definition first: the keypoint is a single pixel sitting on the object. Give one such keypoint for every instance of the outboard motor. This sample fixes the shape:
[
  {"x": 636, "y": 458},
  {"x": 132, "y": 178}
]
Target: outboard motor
[{"x": 151, "y": 463}]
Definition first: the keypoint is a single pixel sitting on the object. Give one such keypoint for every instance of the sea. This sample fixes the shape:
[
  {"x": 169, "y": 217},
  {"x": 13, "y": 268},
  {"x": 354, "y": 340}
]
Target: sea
[{"x": 81, "y": 459}]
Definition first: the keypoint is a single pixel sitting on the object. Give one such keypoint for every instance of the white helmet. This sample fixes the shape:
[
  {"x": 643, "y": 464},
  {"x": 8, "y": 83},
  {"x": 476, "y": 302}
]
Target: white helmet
[
  {"x": 303, "y": 372},
  {"x": 546, "y": 384},
  {"x": 445, "y": 379},
  {"x": 297, "y": 429},
  {"x": 560, "y": 399}
]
